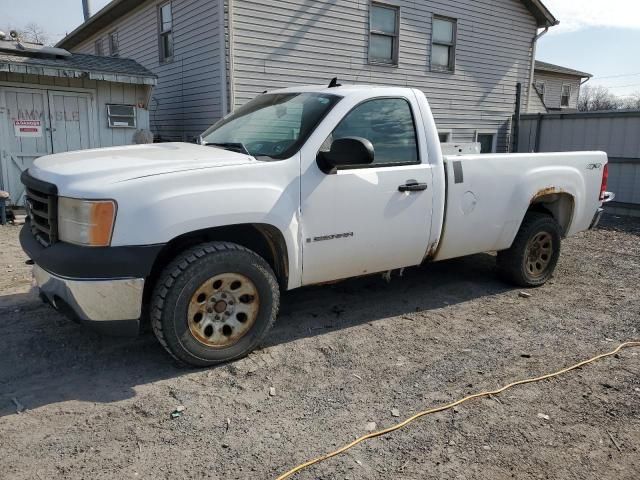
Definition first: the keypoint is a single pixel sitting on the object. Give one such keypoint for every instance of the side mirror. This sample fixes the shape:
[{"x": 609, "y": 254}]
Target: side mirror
[{"x": 346, "y": 152}]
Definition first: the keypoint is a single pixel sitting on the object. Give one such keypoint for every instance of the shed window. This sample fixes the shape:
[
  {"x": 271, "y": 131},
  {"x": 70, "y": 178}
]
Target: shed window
[
  {"x": 99, "y": 49},
  {"x": 443, "y": 44},
  {"x": 165, "y": 28},
  {"x": 566, "y": 95},
  {"x": 121, "y": 116},
  {"x": 384, "y": 26},
  {"x": 114, "y": 47}
]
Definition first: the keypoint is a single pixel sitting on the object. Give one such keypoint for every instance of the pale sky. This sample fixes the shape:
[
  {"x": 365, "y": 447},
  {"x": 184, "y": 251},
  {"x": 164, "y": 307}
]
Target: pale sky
[{"x": 601, "y": 37}]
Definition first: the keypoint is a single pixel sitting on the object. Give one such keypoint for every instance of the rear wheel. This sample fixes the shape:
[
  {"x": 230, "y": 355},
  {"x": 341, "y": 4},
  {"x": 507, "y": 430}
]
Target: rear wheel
[
  {"x": 214, "y": 303},
  {"x": 534, "y": 254}
]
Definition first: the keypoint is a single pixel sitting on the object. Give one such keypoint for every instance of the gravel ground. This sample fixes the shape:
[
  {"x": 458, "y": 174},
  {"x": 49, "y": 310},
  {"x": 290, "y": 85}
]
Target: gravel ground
[{"x": 340, "y": 357}]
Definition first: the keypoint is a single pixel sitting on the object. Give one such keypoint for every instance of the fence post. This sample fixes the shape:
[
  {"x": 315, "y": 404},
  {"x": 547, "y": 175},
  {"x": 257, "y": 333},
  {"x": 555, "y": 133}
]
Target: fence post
[{"x": 538, "y": 130}]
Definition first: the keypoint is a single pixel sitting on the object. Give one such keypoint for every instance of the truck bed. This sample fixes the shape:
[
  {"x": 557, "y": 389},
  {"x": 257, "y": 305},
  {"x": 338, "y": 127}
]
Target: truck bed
[{"x": 488, "y": 195}]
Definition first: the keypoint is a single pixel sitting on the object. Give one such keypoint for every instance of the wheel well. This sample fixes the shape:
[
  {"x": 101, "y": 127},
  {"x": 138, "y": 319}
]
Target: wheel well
[
  {"x": 559, "y": 205},
  {"x": 265, "y": 240}
]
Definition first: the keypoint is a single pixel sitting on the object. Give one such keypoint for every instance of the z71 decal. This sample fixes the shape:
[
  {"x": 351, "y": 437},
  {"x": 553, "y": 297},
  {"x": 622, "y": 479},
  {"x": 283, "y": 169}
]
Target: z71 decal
[{"x": 330, "y": 237}]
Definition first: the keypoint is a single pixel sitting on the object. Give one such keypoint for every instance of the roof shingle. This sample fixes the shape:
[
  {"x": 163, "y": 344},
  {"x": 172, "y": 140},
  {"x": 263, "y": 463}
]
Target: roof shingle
[{"x": 95, "y": 67}]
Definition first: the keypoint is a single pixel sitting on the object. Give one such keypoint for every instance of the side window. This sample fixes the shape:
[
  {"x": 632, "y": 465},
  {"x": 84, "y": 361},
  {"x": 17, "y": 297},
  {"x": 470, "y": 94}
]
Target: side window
[
  {"x": 487, "y": 142},
  {"x": 445, "y": 136},
  {"x": 443, "y": 44},
  {"x": 384, "y": 26},
  {"x": 114, "y": 46},
  {"x": 388, "y": 124},
  {"x": 566, "y": 96},
  {"x": 165, "y": 32}
]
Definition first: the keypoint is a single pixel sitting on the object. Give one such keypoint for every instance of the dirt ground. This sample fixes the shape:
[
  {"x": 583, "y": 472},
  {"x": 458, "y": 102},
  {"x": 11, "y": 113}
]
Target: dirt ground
[{"x": 340, "y": 357}]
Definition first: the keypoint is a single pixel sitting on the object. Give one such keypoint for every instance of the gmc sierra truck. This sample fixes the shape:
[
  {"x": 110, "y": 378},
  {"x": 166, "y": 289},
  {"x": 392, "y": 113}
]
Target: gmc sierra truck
[{"x": 300, "y": 186}]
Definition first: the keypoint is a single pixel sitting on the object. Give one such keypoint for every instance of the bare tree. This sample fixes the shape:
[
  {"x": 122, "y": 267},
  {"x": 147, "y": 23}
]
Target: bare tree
[
  {"x": 35, "y": 33},
  {"x": 632, "y": 102},
  {"x": 598, "y": 98}
]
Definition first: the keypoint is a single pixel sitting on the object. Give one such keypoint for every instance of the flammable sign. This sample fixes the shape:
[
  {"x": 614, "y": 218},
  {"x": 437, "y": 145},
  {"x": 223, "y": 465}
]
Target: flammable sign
[{"x": 27, "y": 128}]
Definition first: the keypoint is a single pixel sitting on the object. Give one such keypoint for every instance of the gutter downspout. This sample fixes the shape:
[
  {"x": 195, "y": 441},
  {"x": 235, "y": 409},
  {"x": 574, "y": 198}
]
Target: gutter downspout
[
  {"x": 232, "y": 80},
  {"x": 534, "y": 44},
  {"x": 580, "y": 89}
]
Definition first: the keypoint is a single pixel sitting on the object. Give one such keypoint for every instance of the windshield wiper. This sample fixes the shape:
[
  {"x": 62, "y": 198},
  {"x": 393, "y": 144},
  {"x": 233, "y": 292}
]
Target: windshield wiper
[{"x": 234, "y": 147}]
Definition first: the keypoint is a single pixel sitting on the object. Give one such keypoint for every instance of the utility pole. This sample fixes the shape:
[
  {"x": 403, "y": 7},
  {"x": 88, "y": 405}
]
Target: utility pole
[
  {"x": 516, "y": 117},
  {"x": 86, "y": 9}
]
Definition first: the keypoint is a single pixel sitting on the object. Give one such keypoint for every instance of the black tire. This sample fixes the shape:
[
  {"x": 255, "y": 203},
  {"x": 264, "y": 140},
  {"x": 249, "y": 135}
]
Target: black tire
[
  {"x": 515, "y": 264},
  {"x": 181, "y": 280}
]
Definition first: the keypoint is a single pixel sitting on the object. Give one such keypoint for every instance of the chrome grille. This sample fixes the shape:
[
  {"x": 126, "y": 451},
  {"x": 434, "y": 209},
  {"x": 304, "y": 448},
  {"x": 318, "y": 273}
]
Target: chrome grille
[{"x": 43, "y": 212}]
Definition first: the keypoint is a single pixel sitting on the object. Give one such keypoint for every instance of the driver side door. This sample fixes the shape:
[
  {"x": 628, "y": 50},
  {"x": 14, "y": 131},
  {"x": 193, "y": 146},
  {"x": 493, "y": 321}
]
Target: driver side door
[{"x": 362, "y": 219}]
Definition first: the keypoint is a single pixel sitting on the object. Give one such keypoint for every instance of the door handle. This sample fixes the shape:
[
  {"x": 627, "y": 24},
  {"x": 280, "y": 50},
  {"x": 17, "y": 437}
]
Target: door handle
[{"x": 412, "y": 187}]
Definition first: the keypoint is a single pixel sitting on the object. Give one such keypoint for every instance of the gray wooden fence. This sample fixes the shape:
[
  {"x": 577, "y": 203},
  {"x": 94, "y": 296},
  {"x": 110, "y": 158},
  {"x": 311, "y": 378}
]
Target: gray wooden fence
[{"x": 617, "y": 133}]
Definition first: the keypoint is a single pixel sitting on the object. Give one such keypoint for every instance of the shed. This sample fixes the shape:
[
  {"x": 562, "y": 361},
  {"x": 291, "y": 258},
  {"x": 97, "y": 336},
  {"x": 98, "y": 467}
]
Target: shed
[{"x": 53, "y": 101}]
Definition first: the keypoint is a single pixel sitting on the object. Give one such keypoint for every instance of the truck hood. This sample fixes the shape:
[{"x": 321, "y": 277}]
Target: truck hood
[{"x": 119, "y": 164}]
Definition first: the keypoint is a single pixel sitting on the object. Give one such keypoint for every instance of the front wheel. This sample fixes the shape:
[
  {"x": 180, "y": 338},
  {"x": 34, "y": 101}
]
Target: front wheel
[
  {"x": 534, "y": 254},
  {"x": 215, "y": 302}
]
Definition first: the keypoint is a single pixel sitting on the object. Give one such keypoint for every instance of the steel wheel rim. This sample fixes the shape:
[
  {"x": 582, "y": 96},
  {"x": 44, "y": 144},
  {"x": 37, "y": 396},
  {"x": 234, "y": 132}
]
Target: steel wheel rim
[
  {"x": 538, "y": 254},
  {"x": 223, "y": 309}
]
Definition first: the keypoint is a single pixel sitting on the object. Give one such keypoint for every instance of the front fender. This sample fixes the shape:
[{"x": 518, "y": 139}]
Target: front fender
[{"x": 157, "y": 209}]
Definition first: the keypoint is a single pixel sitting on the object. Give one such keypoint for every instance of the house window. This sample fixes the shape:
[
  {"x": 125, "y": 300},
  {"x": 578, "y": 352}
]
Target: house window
[
  {"x": 540, "y": 88},
  {"x": 121, "y": 116},
  {"x": 487, "y": 142},
  {"x": 443, "y": 44},
  {"x": 99, "y": 49},
  {"x": 384, "y": 27},
  {"x": 113, "y": 44},
  {"x": 444, "y": 136},
  {"x": 566, "y": 95},
  {"x": 165, "y": 28}
]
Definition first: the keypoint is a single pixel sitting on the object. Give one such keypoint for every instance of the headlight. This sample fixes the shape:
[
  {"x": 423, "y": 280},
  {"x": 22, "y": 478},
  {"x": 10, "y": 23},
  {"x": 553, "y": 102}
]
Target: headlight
[{"x": 86, "y": 222}]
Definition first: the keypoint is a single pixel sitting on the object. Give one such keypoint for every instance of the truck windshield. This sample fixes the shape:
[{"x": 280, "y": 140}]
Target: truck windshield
[{"x": 271, "y": 125}]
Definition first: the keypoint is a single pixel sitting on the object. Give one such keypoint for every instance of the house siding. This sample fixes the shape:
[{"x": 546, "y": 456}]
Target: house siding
[
  {"x": 553, "y": 88},
  {"x": 536, "y": 105},
  {"x": 188, "y": 97},
  {"x": 284, "y": 43}
]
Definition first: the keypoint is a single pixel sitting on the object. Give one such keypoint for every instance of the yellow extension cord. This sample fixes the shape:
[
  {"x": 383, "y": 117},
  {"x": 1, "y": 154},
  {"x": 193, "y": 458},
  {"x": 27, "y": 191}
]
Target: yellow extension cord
[{"x": 406, "y": 422}]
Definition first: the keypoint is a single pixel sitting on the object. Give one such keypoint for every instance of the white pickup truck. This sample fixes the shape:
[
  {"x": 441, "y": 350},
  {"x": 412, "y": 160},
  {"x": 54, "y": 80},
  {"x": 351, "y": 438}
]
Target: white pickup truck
[{"x": 300, "y": 186}]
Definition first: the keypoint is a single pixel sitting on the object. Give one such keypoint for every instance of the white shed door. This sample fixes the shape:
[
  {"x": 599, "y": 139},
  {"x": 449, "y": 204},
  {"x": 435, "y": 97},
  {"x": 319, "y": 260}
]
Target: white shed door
[
  {"x": 72, "y": 121},
  {"x": 24, "y": 135}
]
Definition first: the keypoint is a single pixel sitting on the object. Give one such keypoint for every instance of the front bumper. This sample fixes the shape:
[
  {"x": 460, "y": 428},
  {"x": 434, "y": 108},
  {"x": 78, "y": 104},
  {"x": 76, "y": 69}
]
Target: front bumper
[
  {"x": 99, "y": 286},
  {"x": 111, "y": 305}
]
